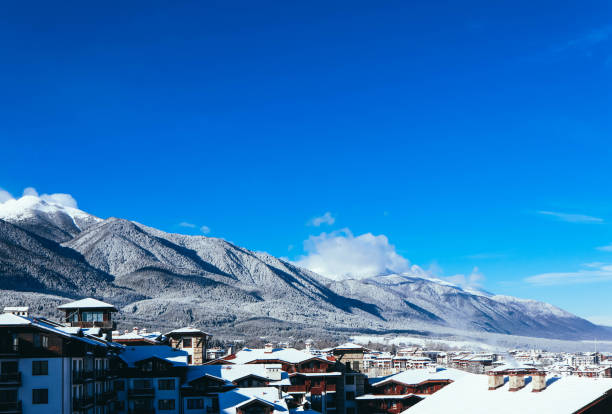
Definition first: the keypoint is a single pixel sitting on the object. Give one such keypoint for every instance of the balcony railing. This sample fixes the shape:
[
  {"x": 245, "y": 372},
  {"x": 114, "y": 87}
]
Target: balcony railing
[
  {"x": 102, "y": 373},
  {"x": 296, "y": 389},
  {"x": 141, "y": 392},
  {"x": 142, "y": 410},
  {"x": 10, "y": 407},
  {"x": 10, "y": 349},
  {"x": 104, "y": 324},
  {"x": 82, "y": 402},
  {"x": 80, "y": 376},
  {"x": 313, "y": 370},
  {"x": 330, "y": 388},
  {"x": 12, "y": 378}
]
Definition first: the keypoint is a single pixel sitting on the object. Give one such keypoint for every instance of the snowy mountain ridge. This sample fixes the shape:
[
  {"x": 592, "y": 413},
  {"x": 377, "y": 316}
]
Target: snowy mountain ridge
[{"x": 50, "y": 252}]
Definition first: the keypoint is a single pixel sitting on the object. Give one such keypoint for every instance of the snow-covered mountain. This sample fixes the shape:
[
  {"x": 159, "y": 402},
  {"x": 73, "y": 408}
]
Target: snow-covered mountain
[
  {"x": 50, "y": 252},
  {"x": 47, "y": 219}
]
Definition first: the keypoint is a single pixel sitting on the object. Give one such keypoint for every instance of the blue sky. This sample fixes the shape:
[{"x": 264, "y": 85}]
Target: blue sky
[{"x": 462, "y": 134}]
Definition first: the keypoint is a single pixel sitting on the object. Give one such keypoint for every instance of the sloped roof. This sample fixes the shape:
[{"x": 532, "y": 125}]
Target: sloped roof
[
  {"x": 230, "y": 400},
  {"x": 132, "y": 354},
  {"x": 417, "y": 376},
  {"x": 187, "y": 330},
  {"x": 87, "y": 303},
  {"x": 10, "y": 319},
  {"x": 290, "y": 355},
  {"x": 232, "y": 372},
  {"x": 470, "y": 394}
]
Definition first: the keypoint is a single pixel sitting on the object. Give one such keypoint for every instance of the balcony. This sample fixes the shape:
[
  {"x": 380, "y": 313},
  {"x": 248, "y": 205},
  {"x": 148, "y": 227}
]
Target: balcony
[
  {"x": 10, "y": 350},
  {"x": 105, "y": 397},
  {"x": 82, "y": 403},
  {"x": 142, "y": 410},
  {"x": 142, "y": 392},
  {"x": 313, "y": 370},
  {"x": 102, "y": 374},
  {"x": 12, "y": 378},
  {"x": 297, "y": 389},
  {"x": 104, "y": 325},
  {"x": 330, "y": 388},
  {"x": 81, "y": 376},
  {"x": 10, "y": 407}
]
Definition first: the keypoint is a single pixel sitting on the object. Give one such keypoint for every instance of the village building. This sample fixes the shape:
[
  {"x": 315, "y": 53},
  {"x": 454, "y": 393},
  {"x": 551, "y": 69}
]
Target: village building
[
  {"x": 398, "y": 392},
  {"x": 191, "y": 340},
  {"x": 90, "y": 313},
  {"x": 46, "y": 367},
  {"x": 519, "y": 391}
]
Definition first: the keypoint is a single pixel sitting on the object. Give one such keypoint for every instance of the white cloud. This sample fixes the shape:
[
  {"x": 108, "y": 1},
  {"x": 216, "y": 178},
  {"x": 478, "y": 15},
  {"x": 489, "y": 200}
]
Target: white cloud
[
  {"x": 62, "y": 199},
  {"x": 341, "y": 255},
  {"x": 593, "y": 273},
  {"x": 605, "y": 320},
  {"x": 186, "y": 224},
  {"x": 607, "y": 248},
  {"x": 572, "y": 218},
  {"x": 472, "y": 281},
  {"x": 205, "y": 229},
  {"x": 326, "y": 218},
  {"x": 5, "y": 196}
]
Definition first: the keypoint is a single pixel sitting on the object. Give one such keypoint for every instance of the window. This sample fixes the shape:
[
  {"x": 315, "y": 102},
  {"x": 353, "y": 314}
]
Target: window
[
  {"x": 356, "y": 365},
  {"x": 140, "y": 384},
  {"x": 195, "y": 404},
  {"x": 7, "y": 396},
  {"x": 40, "y": 368},
  {"x": 45, "y": 341},
  {"x": 187, "y": 343},
  {"x": 40, "y": 396},
  {"x": 165, "y": 384},
  {"x": 8, "y": 367},
  {"x": 166, "y": 404},
  {"x": 350, "y": 380},
  {"x": 92, "y": 317},
  {"x": 119, "y": 385},
  {"x": 350, "y": 396}
]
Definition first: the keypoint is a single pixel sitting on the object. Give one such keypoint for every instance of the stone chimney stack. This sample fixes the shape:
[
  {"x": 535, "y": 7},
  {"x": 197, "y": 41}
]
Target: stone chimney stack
[
  {"x": 496, "y": 379},
  {"x": 538, "y": 379},
  {"x": 517, "y": 380},
  {"x": 268, "y": 348}
]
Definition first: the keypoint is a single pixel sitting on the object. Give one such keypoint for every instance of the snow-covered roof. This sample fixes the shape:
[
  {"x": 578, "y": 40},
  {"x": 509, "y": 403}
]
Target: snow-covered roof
[
  {"x": 16, "y": 308},
  {"x": 87, "y": 303},
  {"x": 134, "y": 336},
  {"x": 230, "y": 400},
  {"x": 417, "y": 376},
  {"x": 10, "y": 319},
  {"x": 388, "y": 396},
  {"x": 349, "y": 345},
  {"x": 235, "y": 372},
  {"x": 187, "y": 330},
  {"x": 132, "y": 354},
  {"x": 470, "y": 394},
  {"x": 290, "y": 355}
]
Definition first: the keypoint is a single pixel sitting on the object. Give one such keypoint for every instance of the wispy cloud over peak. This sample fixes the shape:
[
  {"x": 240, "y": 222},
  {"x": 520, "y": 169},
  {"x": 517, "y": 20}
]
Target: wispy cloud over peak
[
  {"x": 607, "y": 248},
  {"x": 592, "y": 273},
  {"x": 326, "y": 218},
  {"x": 187, "y": 224},
  {"x": 341, "y": 255},
  {"x": 205, "y": 229},
  {"x": 571, "y": 218},
  {"x": 62, "y": 199}
]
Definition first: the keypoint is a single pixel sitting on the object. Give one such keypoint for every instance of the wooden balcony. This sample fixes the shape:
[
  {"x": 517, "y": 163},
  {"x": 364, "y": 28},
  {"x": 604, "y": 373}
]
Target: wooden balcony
[
  {"x": 10, "y": 379},
  {"x": 297, "y": 389},
  {"x": 104, "y": 325},
  {"x": 10, "y": 407},
  {"x": 141, "y": 392}
]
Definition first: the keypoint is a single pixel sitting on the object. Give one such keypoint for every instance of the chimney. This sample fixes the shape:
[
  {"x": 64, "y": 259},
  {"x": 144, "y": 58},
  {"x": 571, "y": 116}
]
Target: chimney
[
  {"x": 143, "y": 331},
  {"x": 308, "y": 345},
  {"x": 268, "y": 348},
  {"x": 496, "y": 379},
  {"x": 517, "y": 380},
  {"x": 538, "y": 380},
  {"x": 230, "y": 350},
  {"x": 135, "y": 329}
]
